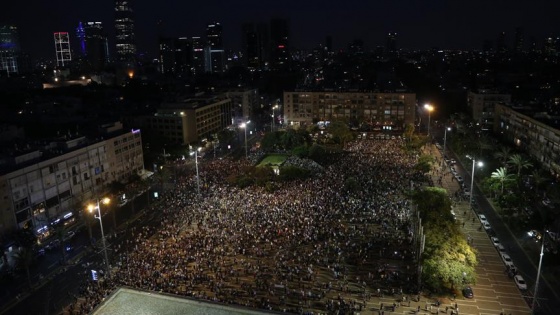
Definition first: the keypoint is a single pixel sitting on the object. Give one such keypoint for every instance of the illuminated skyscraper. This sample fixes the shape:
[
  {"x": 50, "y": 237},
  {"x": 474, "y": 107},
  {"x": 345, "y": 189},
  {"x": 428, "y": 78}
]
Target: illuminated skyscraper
[
  {"x": 214, "y": 56},
  {"x": 124, "y": 27},
  {"x": 280, "y": 44},
  {"x": 62, "y": 48},
  {"x": 9, "y": 49}
]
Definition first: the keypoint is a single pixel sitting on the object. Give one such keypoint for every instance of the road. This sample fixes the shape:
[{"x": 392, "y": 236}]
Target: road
[{"x": 526, "y": 261}]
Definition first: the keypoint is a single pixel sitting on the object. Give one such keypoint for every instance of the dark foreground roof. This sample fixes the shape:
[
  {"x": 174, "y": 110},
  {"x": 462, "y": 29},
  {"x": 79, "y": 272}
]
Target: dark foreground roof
[{"x": 130, "y": 301}]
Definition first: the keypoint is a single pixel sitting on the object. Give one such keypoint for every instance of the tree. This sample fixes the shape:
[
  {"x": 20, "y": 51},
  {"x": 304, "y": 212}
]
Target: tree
[
  {"x": 24, "y": 258},
  {"x": 425, "y": 162},
  {"x": 519, "y": 163},
  {"x": 340, "y": 131},
  {"x": 502, "y": 176},
  {"x": 408, "y": 131},
  {"x": 503, "y": 154}
]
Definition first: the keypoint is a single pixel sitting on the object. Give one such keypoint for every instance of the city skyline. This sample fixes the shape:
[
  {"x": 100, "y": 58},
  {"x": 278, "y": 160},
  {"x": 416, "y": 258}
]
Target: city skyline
[{"x": 418, "y": 25}]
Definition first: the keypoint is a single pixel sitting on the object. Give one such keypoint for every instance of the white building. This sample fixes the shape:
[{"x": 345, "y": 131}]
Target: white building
[{"x": 49, "y": 184}]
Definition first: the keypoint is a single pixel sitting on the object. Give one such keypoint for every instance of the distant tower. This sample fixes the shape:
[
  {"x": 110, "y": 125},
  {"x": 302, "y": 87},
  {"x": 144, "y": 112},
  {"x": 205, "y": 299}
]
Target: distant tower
[
  {"x": 549, "y": 46},
  {"x": 328, "y": 43},
  {"x": 81, "y": 35},
  {"x": 501, "y": 46},
  {"x": 96, "y": 45},
  {"x": 391, "y": 43},
  {"x": 518, "y": 41},
  {"x": 214, "y": 56},
  {"x": 62, "y": 48},
  {"x": 9, "y": 49},
  {"x": 124, "y": 27},
  {"x": 197, "y": 46},
  {"x": 280, "y": 44},
  {"x": 214, "y": 35}
]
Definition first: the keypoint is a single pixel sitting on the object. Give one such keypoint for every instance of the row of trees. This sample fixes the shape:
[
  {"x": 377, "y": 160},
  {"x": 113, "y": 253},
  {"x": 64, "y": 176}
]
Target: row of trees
[{"x": 448, "y": 260}]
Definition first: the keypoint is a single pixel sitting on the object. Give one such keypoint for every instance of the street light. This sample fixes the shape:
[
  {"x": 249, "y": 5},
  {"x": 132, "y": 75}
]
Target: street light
[
  {"x": 429, "y": 108},
  {"x": 480, "y": 164},
  {"x": 196, "y": 165},
  {"x": 445, "y": 138},
  {"x": 97, "y": 207},
  {"x": 273, "y": 119},
  {"x": 244, "y": 126},
  {"x": 533, "y": 304}
]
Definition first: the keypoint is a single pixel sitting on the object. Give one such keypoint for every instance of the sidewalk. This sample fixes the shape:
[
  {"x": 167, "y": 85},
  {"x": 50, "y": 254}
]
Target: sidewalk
[{"x": 494, "y": 291}]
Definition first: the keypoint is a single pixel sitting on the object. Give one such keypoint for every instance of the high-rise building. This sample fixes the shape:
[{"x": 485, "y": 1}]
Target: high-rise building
[
  {"x": 518, "y": 41},
  {"x": 391, "y": 43},
  {"x": 214, "y": 35},
  {"x": 62, "y": 48},
  {"x": 93, "y": 44},
  {"x": 280, "y": 44},
  {"x": 175, "y": 55},
  {"x": 255, "y": 44},
  {"x": 9, "y": 49},
  {"x": 501, "y": 46},
  {"x": 549, "y": 46},
  {"x": 197, "y": 46},
  {"x": 214, "y": 55},
  {"x": 124, "y": 26}
]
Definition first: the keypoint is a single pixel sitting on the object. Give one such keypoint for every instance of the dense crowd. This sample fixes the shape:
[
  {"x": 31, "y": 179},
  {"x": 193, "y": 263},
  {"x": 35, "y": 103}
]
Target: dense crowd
[{"x": 310, "y": 246}]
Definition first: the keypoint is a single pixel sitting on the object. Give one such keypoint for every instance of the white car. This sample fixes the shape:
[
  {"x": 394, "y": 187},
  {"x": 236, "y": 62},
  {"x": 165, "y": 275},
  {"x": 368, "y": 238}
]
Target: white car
[
  {"x": 482, "y": 218},
  {"x": 486, "y": 225},
  {"x": 507, "y": 260},
  {"x": 495, "y": 241},
  {"x": 521, "y": 284},
  {"x": 459, "y": 179},
  {"x": 501, "y": 248}
]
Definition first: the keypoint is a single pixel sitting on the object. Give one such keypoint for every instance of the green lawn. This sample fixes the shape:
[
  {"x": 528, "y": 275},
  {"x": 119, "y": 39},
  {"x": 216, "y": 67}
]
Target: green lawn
[{"x": 273, "y": 159}]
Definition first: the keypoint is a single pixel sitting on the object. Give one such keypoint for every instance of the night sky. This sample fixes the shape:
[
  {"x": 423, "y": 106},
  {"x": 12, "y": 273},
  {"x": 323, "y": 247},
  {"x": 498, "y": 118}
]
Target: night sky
[{"x": 419, "y": 24}]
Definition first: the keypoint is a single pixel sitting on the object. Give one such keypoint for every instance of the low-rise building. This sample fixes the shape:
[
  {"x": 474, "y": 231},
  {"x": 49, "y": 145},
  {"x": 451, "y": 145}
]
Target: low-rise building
[
  {"x": 192, "y": 120},
  {"x": 481, "y": 103},
  {"x": 377, "y": 109}
]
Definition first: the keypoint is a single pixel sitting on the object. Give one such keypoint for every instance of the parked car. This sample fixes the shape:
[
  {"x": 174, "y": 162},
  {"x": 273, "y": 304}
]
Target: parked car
[
  {"x": 507, "y": 260},
  {"x": 452, "y": 162},
  {"x": 486, "y": 225},
  {"x": 468, "y": 292},
  {"x": 69, "y": 235},
  {"x": 482, "y": 218},
  {"x": 495, "y": 241},
  {"x": 535, "y": 234},
  {"x": 459, "y": 179},
  {"x": 520, "y": 282}
]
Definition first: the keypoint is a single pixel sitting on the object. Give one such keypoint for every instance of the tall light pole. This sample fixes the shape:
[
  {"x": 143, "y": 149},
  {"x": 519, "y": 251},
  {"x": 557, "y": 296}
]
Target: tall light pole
[
  {"x": 273, "y": 118},
  {"x": 480, "y": 164},
  {"x": 429, "y": 108},
  {"x": 533, "y": 304},
  {"x": 445, "y": 139},
  {"x": 98, "y": 216},
  {"x": 196, "y": 165},
  {"x": 244, "y": 126}
]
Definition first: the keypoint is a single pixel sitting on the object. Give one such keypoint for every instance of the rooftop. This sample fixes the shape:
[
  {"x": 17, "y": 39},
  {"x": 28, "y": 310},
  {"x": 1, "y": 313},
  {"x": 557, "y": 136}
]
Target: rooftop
[{"x": 131, "y": 301}]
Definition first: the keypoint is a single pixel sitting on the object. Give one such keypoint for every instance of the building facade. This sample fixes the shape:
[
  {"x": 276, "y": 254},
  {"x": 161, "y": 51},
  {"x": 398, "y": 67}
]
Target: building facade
[
  {"x": 193, "y": 120},
  {"x": 124, "y": 31},
  {"x": 9, "y": 50},
  {"x": 535, "y": 137},
  {"x": 375, "y": 109},
  {"x": 62, "y": 49},
  {"x": 49, "y": 185},
  {"x": 481, "y": 104},
  {"x": 244, "y": 101}
]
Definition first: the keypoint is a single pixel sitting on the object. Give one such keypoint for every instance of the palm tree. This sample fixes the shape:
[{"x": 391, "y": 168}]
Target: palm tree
[
  {"x": 503, "y": 154},
  {"x": 502, "y": 176},
  {"x": 24, "y": 258},
  {"x": 518, "y": 162}
]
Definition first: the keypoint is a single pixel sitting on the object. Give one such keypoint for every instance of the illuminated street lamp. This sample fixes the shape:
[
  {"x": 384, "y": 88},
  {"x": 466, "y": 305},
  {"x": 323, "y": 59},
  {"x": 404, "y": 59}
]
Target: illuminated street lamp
[
  {"x": 480, "y": 164},
  {"x": 196, "y": 165},
  {"x": 245, "y": 126},
  {"x": 272, "y": 126},
  {"x": 429, "y": 108},
  {"x": 445, "y": 138},
  {"x": 97, "y": 207}
]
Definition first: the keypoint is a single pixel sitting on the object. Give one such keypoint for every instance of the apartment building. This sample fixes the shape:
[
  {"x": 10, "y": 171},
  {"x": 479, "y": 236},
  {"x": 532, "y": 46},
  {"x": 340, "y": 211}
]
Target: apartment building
[
  {"x": 532, "y": 134},
  {"x": 48, "y": 183},
  {"x": 377, "y": 109}
]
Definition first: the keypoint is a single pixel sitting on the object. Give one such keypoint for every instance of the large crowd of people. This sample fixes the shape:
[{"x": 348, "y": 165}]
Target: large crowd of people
[{"x": 312, "y": 245}]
